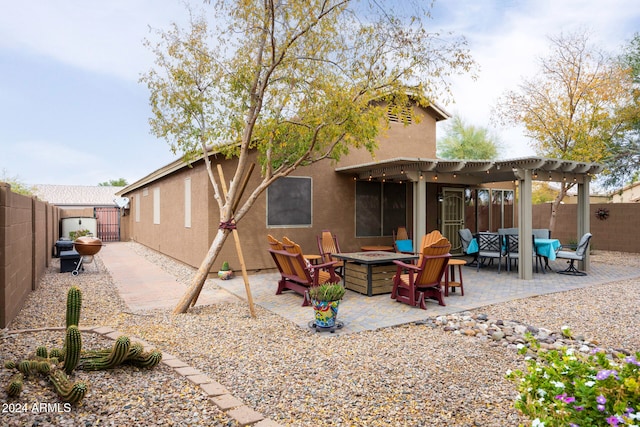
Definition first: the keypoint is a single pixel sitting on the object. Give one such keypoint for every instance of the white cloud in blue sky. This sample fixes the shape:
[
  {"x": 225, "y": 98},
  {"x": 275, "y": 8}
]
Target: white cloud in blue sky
[{"x": 73, "y": 111}]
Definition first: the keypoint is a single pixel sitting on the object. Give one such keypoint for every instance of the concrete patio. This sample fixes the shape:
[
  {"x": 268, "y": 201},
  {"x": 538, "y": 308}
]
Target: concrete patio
[{"x": 485, "y": 287}]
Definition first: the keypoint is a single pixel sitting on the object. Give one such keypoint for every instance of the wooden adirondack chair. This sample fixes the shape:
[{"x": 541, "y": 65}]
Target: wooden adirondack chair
[
  {"x": 423, "y": 280},
  {"x": 327, "y": 245},
  {"x": 427, "y": 240},
  {"x": 402, "y": 241},
  {"x": 296, "y": 273}
]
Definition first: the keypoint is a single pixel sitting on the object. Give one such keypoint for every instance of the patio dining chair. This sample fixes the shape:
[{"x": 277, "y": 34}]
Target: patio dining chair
[
  {"x": 578, "y": 255},
  {"x": 512, "y": 246},
  {"x": 490, "y": 246},
  {"x": 465, "y": 239},
  {"x": 542, "y": 233}
]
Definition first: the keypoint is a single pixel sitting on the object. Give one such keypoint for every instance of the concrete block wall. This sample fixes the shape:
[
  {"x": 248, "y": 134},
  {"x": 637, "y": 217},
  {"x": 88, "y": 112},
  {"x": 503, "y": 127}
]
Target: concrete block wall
[
  {"x": 26, "y": 238},
  {"x": 618, "y": 232}
]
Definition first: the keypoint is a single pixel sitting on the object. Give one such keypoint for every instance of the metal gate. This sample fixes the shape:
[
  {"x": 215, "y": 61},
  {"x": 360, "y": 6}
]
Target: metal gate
[
  {"x": 108, "y": 223},
  {"x": 453, "y": 216}
]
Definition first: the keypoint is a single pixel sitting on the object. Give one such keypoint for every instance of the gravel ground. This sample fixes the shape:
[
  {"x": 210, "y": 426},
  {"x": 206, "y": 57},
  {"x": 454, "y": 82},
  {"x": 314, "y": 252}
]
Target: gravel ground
[{"x": 410, "y": 375}]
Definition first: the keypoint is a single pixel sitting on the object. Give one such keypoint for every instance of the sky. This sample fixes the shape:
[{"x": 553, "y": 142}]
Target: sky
[{"x": 72, "y": 109}]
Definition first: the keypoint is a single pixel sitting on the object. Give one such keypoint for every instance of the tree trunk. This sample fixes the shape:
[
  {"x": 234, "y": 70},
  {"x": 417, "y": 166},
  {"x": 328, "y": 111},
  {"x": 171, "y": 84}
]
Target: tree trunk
[
  {"x": 201, "y": 275},
  {"x": 554, "y": 206},
  {"x": 554, "y": 210}
]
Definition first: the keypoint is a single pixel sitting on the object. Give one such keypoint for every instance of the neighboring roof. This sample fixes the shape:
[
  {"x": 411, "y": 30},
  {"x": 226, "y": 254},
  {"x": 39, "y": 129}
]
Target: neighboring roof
[{"x": 76, "y": 195}]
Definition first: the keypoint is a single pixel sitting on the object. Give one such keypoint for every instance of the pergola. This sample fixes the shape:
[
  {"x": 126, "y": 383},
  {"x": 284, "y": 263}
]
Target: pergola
[{"x": 522, "y": 171}]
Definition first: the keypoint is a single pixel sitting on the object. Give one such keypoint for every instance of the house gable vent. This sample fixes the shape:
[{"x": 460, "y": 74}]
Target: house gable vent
[{"x": 399, "y": 114}]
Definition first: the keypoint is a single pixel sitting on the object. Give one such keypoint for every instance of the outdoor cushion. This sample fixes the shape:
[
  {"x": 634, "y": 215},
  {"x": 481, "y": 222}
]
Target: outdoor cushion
[{"x": 404, "y": 245}]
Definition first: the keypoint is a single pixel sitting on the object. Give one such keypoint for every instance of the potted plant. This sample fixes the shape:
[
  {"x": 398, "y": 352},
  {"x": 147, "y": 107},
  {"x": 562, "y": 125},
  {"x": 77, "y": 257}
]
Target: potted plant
[
  {"x": 225, "y": 272},
  {"x": 325, "y": 299}
]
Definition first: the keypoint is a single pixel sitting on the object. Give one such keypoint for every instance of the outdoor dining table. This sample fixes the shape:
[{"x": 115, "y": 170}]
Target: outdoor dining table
[
  {"x": 544, "y": 247},
  {"x": 371, "y": 272},
  {"x": 547, "y": 248}
]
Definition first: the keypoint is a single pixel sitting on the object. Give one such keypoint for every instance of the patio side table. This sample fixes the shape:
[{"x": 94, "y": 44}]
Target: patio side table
[{"x": 450, "y": 276}]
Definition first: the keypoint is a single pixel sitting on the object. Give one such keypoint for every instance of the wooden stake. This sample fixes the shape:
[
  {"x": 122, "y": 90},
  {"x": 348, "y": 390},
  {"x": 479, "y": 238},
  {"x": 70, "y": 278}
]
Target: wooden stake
[
  {"x": 243, "y": 186},
  {"x": 236, "y": 238}
]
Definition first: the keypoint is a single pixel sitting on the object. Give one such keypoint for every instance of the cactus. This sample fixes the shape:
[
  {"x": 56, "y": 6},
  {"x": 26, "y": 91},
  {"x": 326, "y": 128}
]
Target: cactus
[
  {"x": 57, "y": 364},
  {"x": 44, "y": 367},
  {"x": 77, "y": 392},
  {"x": 24, "y": 366},
  {"x": 100, "y": 361},
  {"x": 134, "y": 350},
  {"x": 119, "y": 352},
  {"x": 42, "y": 352},
  {"x": 14, "y": 388},
  {"x": 146, "y": 360},
  {"x": 74, "y": 301},
  {"x": 68, "y": 392},
  {"x": 72, "y": 347},
  {"x": 56, "y": 353}
]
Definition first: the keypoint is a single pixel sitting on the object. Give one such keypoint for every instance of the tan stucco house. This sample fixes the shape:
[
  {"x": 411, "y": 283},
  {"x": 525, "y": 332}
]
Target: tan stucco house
[
  {"x": 628, "y": 194},
  {"x": 361, "y": 198}
]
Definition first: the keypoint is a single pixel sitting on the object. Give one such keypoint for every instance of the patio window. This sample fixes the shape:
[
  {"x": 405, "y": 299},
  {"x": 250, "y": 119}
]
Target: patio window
[
  {"x": 289, "y": 202},
  {"x": 489, "y": 209},
  {"x": 380, "y": 207}
]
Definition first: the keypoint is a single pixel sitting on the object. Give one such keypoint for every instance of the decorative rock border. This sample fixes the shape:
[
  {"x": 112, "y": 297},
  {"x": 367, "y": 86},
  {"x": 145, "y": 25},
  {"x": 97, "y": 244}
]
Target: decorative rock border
[
  {"x": 219, "y": 395},
  {"x": 511, "y": 334}
]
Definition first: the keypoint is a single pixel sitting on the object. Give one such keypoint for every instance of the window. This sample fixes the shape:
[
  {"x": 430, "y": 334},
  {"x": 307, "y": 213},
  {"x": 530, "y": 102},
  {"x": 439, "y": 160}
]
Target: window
[
  {"x": 187, "y": 202},
  {"x": 289, "y": 202},
  {"x": 136, "y": 207},
  {"x": 156, "y": 205},
  {"x": 494, "y": 209},
  {"x": 380, "y": 208}
]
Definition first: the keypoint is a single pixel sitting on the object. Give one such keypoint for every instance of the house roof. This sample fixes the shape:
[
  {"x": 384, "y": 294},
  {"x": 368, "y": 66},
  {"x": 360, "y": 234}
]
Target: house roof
[{"x": 76, "y": 195}]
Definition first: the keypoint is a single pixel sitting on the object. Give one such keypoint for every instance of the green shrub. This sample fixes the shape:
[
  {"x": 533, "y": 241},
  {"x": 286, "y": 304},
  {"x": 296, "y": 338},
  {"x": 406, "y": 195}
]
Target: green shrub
[{"x": 73, "y": 235}]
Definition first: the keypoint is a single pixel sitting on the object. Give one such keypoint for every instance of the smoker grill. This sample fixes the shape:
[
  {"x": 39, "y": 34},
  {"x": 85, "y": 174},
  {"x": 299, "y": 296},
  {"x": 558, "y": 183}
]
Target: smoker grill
[{"x": 86, "y": 247}]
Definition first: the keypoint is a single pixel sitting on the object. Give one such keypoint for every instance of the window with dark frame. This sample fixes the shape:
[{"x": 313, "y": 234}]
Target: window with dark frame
[{"x": 289, "y": 202}]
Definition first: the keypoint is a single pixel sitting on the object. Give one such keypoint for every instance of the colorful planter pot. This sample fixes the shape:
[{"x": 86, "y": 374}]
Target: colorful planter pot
[
  {"x": 326, "y": 313},
  {"x": 225, "y": 275}
]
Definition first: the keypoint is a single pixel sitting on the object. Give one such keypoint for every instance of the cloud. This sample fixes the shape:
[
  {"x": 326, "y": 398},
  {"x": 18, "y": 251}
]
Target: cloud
[
  {"x": 507, "y": 42},
  {"x": 103, "y": 36}
]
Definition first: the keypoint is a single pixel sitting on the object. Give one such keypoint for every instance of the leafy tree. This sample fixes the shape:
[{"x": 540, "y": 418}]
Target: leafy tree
[
  {"x": 542, "y": 192},
  {"x": 120, "y": 182},
  {"x": 17, "y": 186},
  {"x": 622, "y": 164},
  {"x": 464, "y": 141},
  {"x": 294, "y": 81},
  {"x": 570, "y": 108}
]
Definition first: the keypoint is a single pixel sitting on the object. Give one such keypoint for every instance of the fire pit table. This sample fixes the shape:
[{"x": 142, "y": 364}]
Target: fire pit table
[{"x": 371, "y": 273}]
